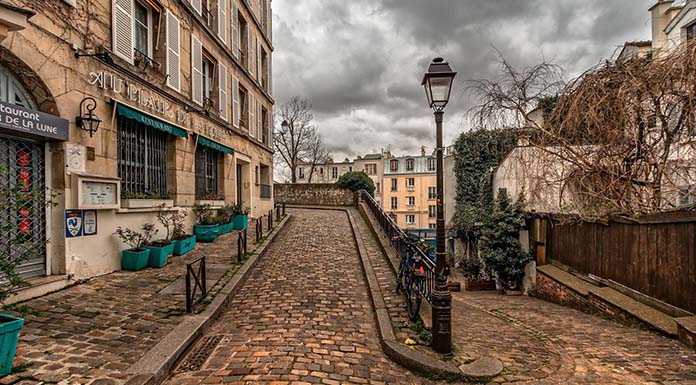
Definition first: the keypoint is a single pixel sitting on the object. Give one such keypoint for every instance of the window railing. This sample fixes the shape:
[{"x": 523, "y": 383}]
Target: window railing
[
  {"x": 265, "y": 190},
  {"x": 410, "y": 188}
]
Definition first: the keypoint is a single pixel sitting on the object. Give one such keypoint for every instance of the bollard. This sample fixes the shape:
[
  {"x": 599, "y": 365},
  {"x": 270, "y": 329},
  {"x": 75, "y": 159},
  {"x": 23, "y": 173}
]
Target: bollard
[
  {"x": 270, "y": 220},
  {"x": 283, "y": 208},
  {"x": 277, "y": 213}
]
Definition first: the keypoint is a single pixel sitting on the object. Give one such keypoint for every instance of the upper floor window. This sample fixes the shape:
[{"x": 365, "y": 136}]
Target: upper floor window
[
  {"x": 432, "y": 193},
  {"x": 301, "y": 172},
  {"x": 411, "y": 201},
  {"x": 135, "y": 23},
  {"x": 371, "y": 169},
  {"x": 432, "y": 163},
  {"x": 334, "y": 172},
  {"x": 394, "y": 203},
  {"x": 410, "y": 182},
  {"x": 691, "y": 32},
  {"x": 393, "y": 184},
  {"x": 207, "y": 68},
  {"x": 409, "y": 164},
  {"x": 394, "y": 165},
  {"x": 142, "y": 29}
]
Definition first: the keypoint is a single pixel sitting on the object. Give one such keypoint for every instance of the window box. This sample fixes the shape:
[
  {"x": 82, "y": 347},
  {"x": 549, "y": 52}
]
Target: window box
[
  {"x": 145, "y": 203},
  {"x": 211, "y": 202},
  {"x": 410, "y": 188}
]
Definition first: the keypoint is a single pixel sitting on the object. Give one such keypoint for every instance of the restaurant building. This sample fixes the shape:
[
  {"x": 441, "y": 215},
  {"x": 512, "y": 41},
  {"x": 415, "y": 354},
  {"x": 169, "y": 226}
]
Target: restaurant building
[{"x": 116, "y": 106}]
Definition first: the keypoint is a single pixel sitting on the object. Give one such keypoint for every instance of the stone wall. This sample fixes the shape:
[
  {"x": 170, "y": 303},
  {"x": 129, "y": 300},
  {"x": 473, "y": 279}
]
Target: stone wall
[{"x": 313, "y": 195}]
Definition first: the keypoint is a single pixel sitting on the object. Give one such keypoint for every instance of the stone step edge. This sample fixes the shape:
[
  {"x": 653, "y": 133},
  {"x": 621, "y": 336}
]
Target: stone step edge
[
  {"x": 611, "y": 297},
  {"x": 155, "y": 366},
  {"x": 401, "y": 353}
]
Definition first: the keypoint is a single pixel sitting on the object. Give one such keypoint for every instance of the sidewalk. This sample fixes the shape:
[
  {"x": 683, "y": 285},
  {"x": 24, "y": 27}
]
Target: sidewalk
[{"x": 92, "y": 332}]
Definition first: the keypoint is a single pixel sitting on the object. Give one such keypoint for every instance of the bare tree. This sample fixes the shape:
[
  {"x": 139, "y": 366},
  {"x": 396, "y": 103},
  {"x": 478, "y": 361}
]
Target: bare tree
[
  {"x": 295, "y": 141},
  {"x": 317, "y": 153},
  {"x": 616, "y": 140}
]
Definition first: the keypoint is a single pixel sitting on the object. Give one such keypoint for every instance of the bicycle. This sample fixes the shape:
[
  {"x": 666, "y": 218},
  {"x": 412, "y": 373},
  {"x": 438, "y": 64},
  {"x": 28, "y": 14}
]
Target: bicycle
[{"x": 411, "y": 279}]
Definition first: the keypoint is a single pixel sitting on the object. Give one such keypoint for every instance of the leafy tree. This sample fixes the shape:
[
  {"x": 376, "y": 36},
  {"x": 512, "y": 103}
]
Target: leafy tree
[
  {"x": 356, "y": 181},
  {"x": 500, "y": 243}
]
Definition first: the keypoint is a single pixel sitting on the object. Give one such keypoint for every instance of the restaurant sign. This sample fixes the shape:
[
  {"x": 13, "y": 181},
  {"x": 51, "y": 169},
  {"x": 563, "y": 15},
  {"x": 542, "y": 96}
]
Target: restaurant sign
[{"x": 26, "y": 122}]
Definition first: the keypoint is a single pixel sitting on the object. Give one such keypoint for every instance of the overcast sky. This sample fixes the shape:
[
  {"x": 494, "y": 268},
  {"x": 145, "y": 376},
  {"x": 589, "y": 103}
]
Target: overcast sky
[{"x": 360, "y": 62}]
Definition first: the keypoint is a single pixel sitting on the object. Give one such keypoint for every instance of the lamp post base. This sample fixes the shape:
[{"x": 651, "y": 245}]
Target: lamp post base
[{"x": 441, "y": 301}]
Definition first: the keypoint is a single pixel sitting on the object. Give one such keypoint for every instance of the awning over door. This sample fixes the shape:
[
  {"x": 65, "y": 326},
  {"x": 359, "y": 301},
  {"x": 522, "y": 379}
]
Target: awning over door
[
  {"x": 203, "y": 141},
  {"x": 149, "y": 120}
]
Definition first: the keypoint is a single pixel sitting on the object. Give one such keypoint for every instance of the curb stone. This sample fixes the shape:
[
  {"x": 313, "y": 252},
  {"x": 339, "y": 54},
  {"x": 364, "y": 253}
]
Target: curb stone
[{"x": 157, "y": 363}]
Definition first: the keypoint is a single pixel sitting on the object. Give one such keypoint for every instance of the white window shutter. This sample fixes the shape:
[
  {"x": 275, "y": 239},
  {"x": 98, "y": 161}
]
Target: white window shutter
[
  {"x": 173, "y": 58},
  {"x": 235, "y": 102},
  {"x": 259, "y": 64},
  {"x": 251, "y": 114},
  {"x": 250, "y": 49},
  {"x": 222, "y": 93},
  {"x": 196, "y": 71},
  {"x": 269, "y": 14},
  {"x": 123, "y": 45},
  {"x": 259, "y": 120},
  {"x": 270, "y": 73},
  {"x": 234, "y": 25},
  {"x": 222, "y": 20},
  {"x": 198, "y": 6}
]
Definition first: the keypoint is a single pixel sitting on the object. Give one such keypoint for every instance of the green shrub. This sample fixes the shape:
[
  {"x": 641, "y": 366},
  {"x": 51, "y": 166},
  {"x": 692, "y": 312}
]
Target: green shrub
[{"x": 356, "y": 181}]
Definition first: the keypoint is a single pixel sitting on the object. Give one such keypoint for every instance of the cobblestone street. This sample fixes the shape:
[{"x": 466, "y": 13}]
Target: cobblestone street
[{"x": 304, "y": 315}]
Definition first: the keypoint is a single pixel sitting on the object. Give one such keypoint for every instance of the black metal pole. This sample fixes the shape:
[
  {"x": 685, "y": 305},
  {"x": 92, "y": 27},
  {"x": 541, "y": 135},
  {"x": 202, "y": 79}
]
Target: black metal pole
[{"x": 441, "y": 298}]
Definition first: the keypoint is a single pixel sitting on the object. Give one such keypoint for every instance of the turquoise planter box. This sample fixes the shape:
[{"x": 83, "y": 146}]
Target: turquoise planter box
[
  {"x": 158, "y": 255},
  {"x": 226, "y": 228},
  {"x": 134, "y": 260},
  {"x": 9, "y": 335},
  {"x": 183, "y": 246},
  {"x": 206, "y": 233},
  {"x": 241, "y": 222}
]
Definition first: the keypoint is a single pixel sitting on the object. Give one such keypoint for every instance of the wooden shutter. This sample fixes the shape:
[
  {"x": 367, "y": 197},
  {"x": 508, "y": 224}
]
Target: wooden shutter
[
  {"x": 251, "y": 114},
  {"x": 259, "y": 64},
  {"x": 222, "y": 92},
  {"x": 259, "y": 120},
  {"x": 123, "y": 45},
  {"x": 222, "y": 20},
  {"x": 234, "y": 25},
  {"x": 250, "y": 49},
  {"x": 198, "y": 6},
  {"x": 196, "y": 71},
  {"x": 173, "y": 59},
  {"x": 236, "y": 111}
]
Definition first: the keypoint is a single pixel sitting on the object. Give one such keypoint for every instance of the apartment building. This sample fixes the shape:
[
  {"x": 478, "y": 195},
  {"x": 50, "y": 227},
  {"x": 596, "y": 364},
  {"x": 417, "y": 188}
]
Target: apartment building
[
  {"x": 328, "y": 172},
  {"x": 410, "y": 194},
  {"x": 373, "y": 166},
  {"x": 117, "y": 106}
]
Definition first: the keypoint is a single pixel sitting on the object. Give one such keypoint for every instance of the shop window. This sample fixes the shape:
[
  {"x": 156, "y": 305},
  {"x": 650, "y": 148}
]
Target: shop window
[
  {"x": 206, "y": 173},
  {"x": 11, "y": 91},
  {"x": 142, "y": 160}
]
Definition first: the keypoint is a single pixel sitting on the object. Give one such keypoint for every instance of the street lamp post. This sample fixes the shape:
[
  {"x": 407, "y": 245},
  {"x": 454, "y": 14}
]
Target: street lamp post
[{"x": 438, "y": 86}]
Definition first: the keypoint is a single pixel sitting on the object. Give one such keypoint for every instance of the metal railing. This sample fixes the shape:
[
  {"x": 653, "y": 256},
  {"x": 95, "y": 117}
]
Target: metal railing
[
  {"x": 198, "y": 275},
  {"x": 401, "y": 242},
  {"x": 241, "y": 245}
]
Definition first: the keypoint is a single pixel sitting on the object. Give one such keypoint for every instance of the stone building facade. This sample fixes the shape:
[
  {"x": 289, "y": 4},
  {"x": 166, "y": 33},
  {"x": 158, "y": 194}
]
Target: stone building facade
[{"x": 183, "y": 93}]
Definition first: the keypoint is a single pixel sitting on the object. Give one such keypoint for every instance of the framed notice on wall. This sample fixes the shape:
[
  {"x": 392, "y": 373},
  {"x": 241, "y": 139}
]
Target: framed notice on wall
[
  {"x": 89, "y": 222},
  {"x": 98, "y": 193}
]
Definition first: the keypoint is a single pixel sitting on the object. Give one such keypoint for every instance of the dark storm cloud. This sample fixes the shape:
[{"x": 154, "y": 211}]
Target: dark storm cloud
[{"x": 360, "y": 62}]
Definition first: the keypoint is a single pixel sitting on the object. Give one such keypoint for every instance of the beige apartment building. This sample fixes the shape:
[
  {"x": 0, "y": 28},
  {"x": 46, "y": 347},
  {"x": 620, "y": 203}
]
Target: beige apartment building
[
  {"x": 373, "y": 166},
  {"x": 117, "y": 106},
  {"x": 410, "y": 191},
  {"x": 328, "y": 172}
]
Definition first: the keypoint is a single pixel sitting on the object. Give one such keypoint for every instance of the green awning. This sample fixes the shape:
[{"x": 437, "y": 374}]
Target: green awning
[
  {"x": 151, "y": 121},
  {"x": 214, "y": 145}
]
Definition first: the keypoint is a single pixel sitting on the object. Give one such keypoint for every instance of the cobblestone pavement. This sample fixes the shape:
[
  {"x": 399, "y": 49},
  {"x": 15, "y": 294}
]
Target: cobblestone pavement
[
  {"x": 304, "y": 316},
  {"x": 543, "y": 343},
  {"x": 90, "y": 333}
]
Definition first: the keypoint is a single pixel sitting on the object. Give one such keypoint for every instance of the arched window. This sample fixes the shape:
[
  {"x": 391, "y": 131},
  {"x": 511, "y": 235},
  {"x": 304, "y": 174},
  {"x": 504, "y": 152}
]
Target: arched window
[{"x": 11, "y": 90}]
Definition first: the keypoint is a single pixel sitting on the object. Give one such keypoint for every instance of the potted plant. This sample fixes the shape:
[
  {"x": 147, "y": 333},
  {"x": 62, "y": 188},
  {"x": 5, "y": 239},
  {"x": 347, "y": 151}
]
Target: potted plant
[
  {"x": 206, "y": 229},
  {"x": 241, "y": 217},
  {"x": 162, "y": 249},
  {"x": 475, "y": 275},
  {"x": 19, "y": 198},
  {"x": 224, "y": 217},
  {"x": 135, "y": 258},
  {"x": 183, "y": 242}
]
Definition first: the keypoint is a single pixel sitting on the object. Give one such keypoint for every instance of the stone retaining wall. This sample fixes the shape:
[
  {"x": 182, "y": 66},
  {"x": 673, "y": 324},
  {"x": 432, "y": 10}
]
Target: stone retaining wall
[{"x": 313, "y": 194}]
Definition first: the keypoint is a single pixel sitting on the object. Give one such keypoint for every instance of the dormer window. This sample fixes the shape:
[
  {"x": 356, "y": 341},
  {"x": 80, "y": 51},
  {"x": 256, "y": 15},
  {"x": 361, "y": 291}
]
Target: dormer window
[
  {"x": 409, "y": 164},
  {"x": 431, "y": 164},
  {"x": 691, "y": 32},
  {"x": 394, "y": 165}
]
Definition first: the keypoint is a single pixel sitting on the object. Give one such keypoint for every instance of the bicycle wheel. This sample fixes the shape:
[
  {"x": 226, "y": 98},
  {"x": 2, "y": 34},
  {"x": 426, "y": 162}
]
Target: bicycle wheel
[{"x": 413, "y": 298}]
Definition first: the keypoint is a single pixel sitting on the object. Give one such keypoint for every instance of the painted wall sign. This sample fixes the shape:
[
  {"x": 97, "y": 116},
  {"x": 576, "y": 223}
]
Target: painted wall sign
[
  {"x": 73, "y": 223},
  {"x": 89, "y": 217},
  {"x": 33, "y": 123}
]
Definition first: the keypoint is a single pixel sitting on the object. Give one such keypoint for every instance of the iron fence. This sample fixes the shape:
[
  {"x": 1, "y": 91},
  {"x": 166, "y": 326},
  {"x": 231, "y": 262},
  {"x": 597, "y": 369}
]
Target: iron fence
[
  {"x": 241, "y": 245},
  {"x": 401, "y": 242},
  {"x": 198, "y": 275}
]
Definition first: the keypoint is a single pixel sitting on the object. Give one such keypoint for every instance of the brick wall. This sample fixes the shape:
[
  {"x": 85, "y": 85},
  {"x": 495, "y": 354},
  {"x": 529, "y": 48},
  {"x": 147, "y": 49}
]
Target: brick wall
[{"x": 313, "y": 195}]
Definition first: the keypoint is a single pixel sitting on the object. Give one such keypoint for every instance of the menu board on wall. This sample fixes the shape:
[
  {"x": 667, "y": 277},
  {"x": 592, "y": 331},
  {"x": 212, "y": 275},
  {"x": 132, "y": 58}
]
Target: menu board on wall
[{"x": 94, "y": 193}]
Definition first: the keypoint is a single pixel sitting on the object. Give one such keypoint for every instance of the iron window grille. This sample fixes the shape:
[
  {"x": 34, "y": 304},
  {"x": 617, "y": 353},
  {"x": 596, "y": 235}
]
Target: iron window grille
[
  {"x": 142, "y": 159},
  {"x": 206, "y": 172}
]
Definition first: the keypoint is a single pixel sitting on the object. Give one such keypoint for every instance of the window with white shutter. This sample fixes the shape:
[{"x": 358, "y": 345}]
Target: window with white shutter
[
  {"x": 173, "y": 59},
  {"x": 234, "y": 26},
  {"x": 236, "y": 110},
  {"x": 222, "y": 93},
  {"x": 259, "y": 120},
  {"x": 259, "y": 64},
  {"x": 222, "y": 20},
  {"x": 250, "y": 49},
  {"x": 196, "y": 71},
  {"x": 198, "y": 6},
  {"x": 270, "y": 73},
  {"x": 251, "y": 114},
  {"x": 123, "y": 44}
]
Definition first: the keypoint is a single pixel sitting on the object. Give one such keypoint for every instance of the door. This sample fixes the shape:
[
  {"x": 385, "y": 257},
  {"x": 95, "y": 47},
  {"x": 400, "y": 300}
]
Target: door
[
  {"x": 22, "y": 169},
  {"x": 239, "y": 184}
]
